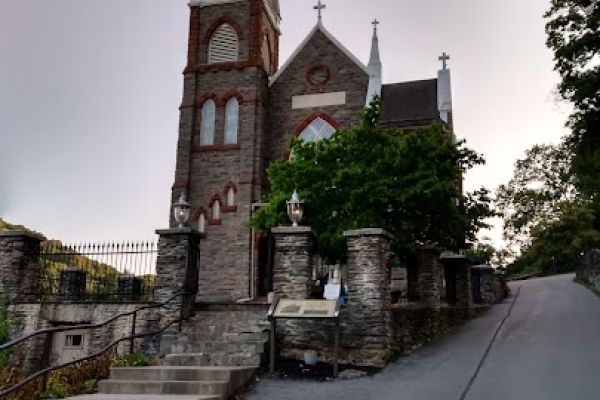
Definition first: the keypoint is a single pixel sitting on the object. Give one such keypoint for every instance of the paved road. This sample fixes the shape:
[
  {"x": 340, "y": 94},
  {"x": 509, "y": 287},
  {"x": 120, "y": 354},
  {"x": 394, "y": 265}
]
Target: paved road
[{"x": 547, "y": 347}]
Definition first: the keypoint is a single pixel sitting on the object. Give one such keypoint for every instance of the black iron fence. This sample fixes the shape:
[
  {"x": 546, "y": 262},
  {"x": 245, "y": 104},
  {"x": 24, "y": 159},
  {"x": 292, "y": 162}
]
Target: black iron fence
[{"x": 98, "y": 272}]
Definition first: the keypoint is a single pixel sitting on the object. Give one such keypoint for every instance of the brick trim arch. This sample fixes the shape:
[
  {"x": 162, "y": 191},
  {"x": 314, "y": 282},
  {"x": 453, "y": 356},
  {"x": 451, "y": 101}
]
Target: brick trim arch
[
  {"x": 200, "y": 100},
  {"x": 232, "y": 93},
  {"x": 214, "y": 199},
  {"x": 230, "y": 185},
  {"x": 225, "y": 19},
  {"x": 198, "y": 213},
  {"x": 319, "y": 114}
]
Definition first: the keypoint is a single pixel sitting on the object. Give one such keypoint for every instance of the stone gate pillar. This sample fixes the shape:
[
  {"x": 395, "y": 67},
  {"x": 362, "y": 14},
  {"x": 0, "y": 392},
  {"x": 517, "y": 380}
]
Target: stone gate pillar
[
  {"x": 19, "y": 265},
  {"x": 483, "y": 284},
  {"x": 292, "y": 270},
  {"x": 458, "y": 280},
  {"x": 177, "y": 263},
  {"x": 366, "y": 328},
  {"x": 429, "y": 276}
]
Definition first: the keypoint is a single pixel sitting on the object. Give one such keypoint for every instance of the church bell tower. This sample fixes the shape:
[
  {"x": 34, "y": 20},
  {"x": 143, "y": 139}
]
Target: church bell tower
[{"x": 232, "y": 53}]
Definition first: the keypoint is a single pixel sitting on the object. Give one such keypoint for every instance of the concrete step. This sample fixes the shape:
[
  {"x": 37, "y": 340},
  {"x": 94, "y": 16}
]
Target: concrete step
[
  {"x": 231, "y": 374},
  {"x": 113, "y": 386},
  {"x": 184, "y": 345},
  {"x": 217, "y": 333},
  {"x": 143, "y": 397},
  {"x": 228, "y": 325},
  {"x": 212, "y": 359}
]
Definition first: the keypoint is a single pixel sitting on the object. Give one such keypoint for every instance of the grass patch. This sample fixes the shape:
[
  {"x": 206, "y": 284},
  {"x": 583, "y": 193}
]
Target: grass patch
[{"x": 588, "y": 286}]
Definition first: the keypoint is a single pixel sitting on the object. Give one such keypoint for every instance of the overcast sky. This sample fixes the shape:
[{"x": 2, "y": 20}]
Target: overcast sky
[{"x": 90, "y": 90}]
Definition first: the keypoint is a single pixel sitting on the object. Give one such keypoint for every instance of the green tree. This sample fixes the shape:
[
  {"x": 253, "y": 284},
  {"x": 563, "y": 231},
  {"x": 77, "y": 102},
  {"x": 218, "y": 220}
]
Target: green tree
[
  {"x": 542, "y": 182},
  {"x": 404, "y": 181},
  {"x": 573, "y": 30},
  {"x": 481, "y": 252},
  {"x": 557, "y": 243}
]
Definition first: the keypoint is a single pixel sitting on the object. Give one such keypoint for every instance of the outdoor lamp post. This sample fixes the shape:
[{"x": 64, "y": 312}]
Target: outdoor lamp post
[
  {"x": 295, "y": 209},
  {"x": 181, "y": 211}
]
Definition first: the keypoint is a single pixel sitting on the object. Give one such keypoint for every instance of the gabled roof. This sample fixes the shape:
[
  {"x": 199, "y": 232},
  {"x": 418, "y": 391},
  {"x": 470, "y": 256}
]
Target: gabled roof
[
  {"x": 410, "y": 104},
  {"x": 321, "y": 28}
]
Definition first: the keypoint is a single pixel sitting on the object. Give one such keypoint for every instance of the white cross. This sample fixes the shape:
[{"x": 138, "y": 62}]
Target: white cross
[
  {"x": 319, "y": 7},
  {"x": 444, "y": 59},
  {"x": 375, "y": 23}
]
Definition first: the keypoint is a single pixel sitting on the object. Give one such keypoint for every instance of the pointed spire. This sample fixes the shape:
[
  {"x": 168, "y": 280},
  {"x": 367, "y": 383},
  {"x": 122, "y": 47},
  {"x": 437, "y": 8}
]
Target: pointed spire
[
  {"x": 375, "y": 68},
  {"x": 445, "y": 90}
]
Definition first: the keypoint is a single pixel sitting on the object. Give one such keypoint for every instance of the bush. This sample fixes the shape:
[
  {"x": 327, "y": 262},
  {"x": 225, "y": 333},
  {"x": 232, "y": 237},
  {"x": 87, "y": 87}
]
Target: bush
[
  {"x": 131, "y": 360},
  {"x": 4, "y": 329}
]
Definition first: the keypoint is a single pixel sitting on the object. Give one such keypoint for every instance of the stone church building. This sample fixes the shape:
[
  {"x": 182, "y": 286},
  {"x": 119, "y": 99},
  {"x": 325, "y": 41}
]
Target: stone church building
[{"x": 239, "y": 109}]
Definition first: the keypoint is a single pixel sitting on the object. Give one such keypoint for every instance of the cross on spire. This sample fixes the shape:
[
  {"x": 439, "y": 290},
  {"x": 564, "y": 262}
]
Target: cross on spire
[
  {"x": 375, "y": 23},
  {"x": 444, "y": 59},
  {"x": 320, "y": 7}
]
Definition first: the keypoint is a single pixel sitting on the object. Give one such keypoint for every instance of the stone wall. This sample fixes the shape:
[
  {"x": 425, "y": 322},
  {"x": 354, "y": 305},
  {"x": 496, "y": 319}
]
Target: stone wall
[
  {"x": 346, "y": 76},
  {"x": 589, "y": 269},
  {"x": 28, "y": 318},
  {"x": 414, "y": 325}
]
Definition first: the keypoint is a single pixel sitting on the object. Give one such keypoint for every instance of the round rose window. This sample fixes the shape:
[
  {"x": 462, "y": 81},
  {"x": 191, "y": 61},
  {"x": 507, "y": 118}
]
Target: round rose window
[{"x": 319, "y": 75}]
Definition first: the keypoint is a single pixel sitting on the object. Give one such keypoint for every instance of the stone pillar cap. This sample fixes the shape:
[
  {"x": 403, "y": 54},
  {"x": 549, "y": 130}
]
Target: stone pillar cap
[
  {"x": 292, "y": 230},
  {"x": 27, "y": 234},
  {"x": 178, "y": 231},
  {"x": 448, "y": 255},
  {"x": 369, "y": 232},
  {"x": 429, "y": 247},
  {"x": 483, "y": 267}
]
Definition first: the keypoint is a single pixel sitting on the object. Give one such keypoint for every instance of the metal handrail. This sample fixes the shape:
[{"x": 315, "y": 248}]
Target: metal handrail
[
  {"x": 15, "y": 342},
  {"x": 48, "y": 370}
]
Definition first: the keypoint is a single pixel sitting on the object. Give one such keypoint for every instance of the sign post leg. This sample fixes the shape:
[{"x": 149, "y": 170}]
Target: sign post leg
[
  {"x": 272, "y": 352},
  {"x": 337, "y": 348}
]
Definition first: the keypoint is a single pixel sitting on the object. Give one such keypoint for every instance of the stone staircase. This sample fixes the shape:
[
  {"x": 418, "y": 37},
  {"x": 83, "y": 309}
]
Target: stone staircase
[{"x": 218, "y": 351}]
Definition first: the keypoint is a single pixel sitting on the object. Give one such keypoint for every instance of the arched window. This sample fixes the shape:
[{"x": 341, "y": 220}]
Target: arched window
[
  {"x": 207, "y": 128},
  {"x": 223, "y": 45},
  {"x": 232, "y": 113},
  {"x": 230, "y": 201},
  {"x": 318, "y": 129},
  {"x": 202, "y": 223},
  {"x": 216, "y": 211}
]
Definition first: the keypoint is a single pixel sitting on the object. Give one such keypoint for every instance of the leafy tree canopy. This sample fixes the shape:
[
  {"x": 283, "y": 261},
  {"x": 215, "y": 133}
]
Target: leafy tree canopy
[
  {"x": 573, "y": 31},
  {"x": 558, "y": 243},
  {"x": 481, "y": 252},
  {"x": 541, "y": 183},
  {"x": 404, "y": 181}
]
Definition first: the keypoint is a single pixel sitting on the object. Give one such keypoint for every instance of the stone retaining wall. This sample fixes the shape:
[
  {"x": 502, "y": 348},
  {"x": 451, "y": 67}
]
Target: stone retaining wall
[
  {"x": 28, "y": 318},
  {"x": 589, "y": 270}
]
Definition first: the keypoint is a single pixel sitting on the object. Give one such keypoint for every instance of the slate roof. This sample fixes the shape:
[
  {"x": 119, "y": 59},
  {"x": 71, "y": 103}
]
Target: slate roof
[{"x": 410, "y": 104}]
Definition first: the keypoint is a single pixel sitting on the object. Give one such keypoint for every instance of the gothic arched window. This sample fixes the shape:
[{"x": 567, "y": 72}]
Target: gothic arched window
[
  {"x": 207, "y": 128},
  {"x": 223, "y": 45},
  {"x": 216, "y": 210},
  {"x": 202, "y": 223},
  {"x": 230, "y": 201},
  {"x": 232, "y": 114},
  {"x": 318, "y": 129}
]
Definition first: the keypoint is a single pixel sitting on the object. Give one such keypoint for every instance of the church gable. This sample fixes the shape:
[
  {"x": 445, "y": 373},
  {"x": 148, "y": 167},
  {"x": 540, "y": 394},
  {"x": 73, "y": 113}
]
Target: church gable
[{"x": 322, "y": 79}]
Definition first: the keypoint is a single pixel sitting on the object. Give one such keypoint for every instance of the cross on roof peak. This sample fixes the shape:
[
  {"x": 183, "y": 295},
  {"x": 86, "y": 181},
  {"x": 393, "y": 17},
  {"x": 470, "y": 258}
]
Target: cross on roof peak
[
  {"x": 320, "y": 7},
  {"x": 375, "y": 23},
  {"x": 444, "y": 59}
]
